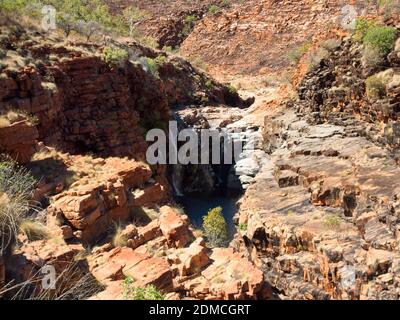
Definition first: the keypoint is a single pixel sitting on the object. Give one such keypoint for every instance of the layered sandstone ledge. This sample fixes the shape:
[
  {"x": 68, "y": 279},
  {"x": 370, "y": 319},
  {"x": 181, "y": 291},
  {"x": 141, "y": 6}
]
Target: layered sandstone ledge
[{"x": 328, "y": 227}]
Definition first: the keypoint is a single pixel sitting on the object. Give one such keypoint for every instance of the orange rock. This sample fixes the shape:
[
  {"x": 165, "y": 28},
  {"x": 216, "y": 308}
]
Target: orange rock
[
  {"x": 175, "y": 227},
  {"x": 194, "y": 259},
  {"x": 19, "y": 140},
  {"x": 155, "y": 271}
]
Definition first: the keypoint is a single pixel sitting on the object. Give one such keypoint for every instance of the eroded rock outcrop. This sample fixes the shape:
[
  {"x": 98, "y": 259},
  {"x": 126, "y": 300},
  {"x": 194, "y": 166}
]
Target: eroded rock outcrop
[
  {"x": 190, "y": 270},
  {"x": 328, "y": 227}
]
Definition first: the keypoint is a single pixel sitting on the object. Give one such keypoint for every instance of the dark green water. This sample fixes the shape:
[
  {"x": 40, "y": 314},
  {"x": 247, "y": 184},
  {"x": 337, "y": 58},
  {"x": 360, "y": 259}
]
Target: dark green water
[{"x": 196, "y": 206}]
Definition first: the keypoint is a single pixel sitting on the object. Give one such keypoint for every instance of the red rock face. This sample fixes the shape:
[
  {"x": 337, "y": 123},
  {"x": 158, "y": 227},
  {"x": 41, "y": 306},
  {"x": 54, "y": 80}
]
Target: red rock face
[
  {"x": 92, "y": 206},
  {"x": 19, "y": 140},
  {"x": 89, "y": 108}
]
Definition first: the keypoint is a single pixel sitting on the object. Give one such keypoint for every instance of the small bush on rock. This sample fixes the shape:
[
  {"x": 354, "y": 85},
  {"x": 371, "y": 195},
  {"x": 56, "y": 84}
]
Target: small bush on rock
[
  {"x": 213, "y": 9},
  {"x": 119, "y": 238},
  {"x": 133, "y": 293},
  {"x": 332, "y": 221},
  {"x": 381, "y": 38},
  {"x": 296, "y": 54},
  {"x": 362, "y": 27},
  {"x": 372, "y": 57},
  {"x": 215, "y": 228},
  {"x": 115, "y": 56},
  {"x": 375, "y": 87}
]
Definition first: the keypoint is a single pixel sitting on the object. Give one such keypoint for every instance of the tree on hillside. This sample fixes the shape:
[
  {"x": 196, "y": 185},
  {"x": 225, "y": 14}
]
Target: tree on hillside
[{"x": 132, "y": 16}]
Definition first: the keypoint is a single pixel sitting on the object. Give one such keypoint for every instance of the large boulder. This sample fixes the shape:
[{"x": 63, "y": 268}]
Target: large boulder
[{"x": 18, "y": 137}]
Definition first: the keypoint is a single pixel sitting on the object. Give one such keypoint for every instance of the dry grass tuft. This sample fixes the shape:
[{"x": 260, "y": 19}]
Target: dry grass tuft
[
  {"x": 34, "y": 230},
  {"x": 119, "y": 239},
  {"x": 16, "y": 185}
]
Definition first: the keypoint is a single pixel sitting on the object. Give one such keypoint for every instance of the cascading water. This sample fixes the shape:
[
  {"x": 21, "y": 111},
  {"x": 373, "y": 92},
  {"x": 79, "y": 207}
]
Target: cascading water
[{"x": 201, "y": 187}]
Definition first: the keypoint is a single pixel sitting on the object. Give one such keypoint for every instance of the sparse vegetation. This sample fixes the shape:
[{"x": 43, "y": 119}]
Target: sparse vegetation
[
  {"x": 209, "y": 84},
  {"x": 133, "y": 15},
  {"x": 16, "y": 185},
  {"x": 73, "y": 283},
  {"x": 362, "y": 27},
  {"x": 332, "y": 221},
  {"x": 130, "y": 292},
  {"x": 243, "y": 227},
  {"x": 381, "y": 38},
  {"x": 119, "y": 239},
  {"x": 214, "y": 9},
  {"x": 151, "y": 66},
  {"x": 315, "y": 57},
  {"x": 11, "y": 116},
  {"x": 85, "y": 17},
  {"x": 375, "y": 87},
  {"x": 330, "y": 44},
  {"x": 372, "y": 57},
  {"x": 189, "y": 23},
  {"x": 296, "y": 54},
  {"x": 215, "y": 228},
  {"x": 34, "y": 230},
  {"x": 232, "y": 89},
  {"x": 115, "y": 56}
]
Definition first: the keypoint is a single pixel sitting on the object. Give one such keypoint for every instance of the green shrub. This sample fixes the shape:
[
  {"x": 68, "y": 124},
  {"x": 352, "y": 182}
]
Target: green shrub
[
  {"x": 215, "y": 228},
  {"x": 130, "y": 292},
  {"x": 213, "y": 9},
  {"x": 362, "y": 27},
  {"x": 151, "y": 66},
  {"x": 188, "y": 26},
  {"x": 375, "y": 87},
  {"x": 381, "y": 38},
  {"x": 13, "y": 5},
  {"x": 232, "y": 89},
  {"x": 115, "y": 56},
  {"x": 243, "y": 227},
  {"x": 209, "y": 84}
]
